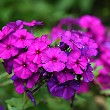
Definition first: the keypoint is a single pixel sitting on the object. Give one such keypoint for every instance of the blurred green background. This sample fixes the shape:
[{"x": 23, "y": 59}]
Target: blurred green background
[{"x": 50, "y": 12}]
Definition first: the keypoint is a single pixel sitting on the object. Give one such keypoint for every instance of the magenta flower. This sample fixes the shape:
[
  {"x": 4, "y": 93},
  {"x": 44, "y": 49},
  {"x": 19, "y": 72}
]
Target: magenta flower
[
  {"x": 105, "y": 56},
  {"x": 77, "y": 62},
  {"x": 53, "y": 59},
  {"x": 32, "y": 80},
  {"x": 94, "y": 27},
  {"x": 64, "y": 76},
  {"x": 23, "y": 38},
  {"x": 65, "y": 90},
  {"x": 56, "y": 33},
  {"x": 44, "y": 39},
  {"x": 72, "y": 39},
  {"x": 89, "y": 47},
  {"x": 7, "y": 49},
  {"x": 34, "y": 61},
  {"x": 35, "y": 51},
  {"x": 88, "y": 21},
  {"x": 5, "y": 32},
  {"x": 84, "y": 87},
  {"x": 15, "y": 25},
  {"x": 23, "y": 68},
  {"x": 68, "y": 22},
  {"x": 104, "y": 81},
  {"x": 19, "y": 85},
  {"x": 32, "y": 23}
]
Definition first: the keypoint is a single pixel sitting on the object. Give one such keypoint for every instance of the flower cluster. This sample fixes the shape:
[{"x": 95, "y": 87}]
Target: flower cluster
[
  {"x": 94, "y": 26},
  {"x": 94, "y": 29},
  {"x": 34, "y": 61}
]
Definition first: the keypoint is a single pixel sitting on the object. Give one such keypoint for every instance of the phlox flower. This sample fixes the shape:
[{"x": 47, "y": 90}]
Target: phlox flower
[
  {"x": 23, "y": 68},
  {"x": 53, "y": 59},
  {"x": 77, "y": 62},
  {"x": 72, "y": 39},
  {"x": 35, "y": 51},
  {"x": 64, "y": 75},
  {"x": 87, "y": 74},
  {"x": 65, "y": 90},
  {"x": 23, "y": 38},
  {"x": 7, "y": 49},
  {"x": 5, "y": 32}
]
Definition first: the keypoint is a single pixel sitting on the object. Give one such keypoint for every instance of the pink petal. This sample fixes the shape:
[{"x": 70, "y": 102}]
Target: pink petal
[
  {"x": 49, "y": 66},
  {"x": 58, "y": 66},
  {"x": 77, "y": 69}
]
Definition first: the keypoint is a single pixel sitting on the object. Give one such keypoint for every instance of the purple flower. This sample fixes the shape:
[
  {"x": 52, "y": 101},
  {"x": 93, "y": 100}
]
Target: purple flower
[
  {"x": 69, "y": 22},
  {"x": 5, "y": 32},
  {"x": 104, "y": 81},
  {"x": 105, "y": 56},
  {"x": 53, "y": 59},
  {"x": 23, "y": 38},
  {"x": 87, "y": 74},
  {"x": 89, "y": 47},
  {"x": 44, "y": 39},
  {"x": 8, "y": 65},
  {"x": 32, "y": 23},
  {"x": 7, "y": 49},
  {"x": 15, "y": 25},
  {"x": 14, "y": 78},
  {"x": 19, "y": 84},
  {"x": 23, "y": 68},
  {"x": 65, "y": 90},
  {"x": 1, "y": 107},
  {"x": 64, "y": 76},
  {"x": 93, "y": 26},
  {"x": 72, "y": 39},
  {"x": 32, "y": 80},
  {"x": 77, "y": 62},
  {"x": 87, "y": 21},
  {"x": 84, "y": 87},
  {"x": 31, "y": 97},
  {"x": 35, "y": 51},
  {"x": 56, "y": 33}
]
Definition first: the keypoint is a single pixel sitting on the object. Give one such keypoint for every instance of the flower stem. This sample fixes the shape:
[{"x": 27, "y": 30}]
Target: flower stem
[
  {"x": 25, "y": 100},
  {"x": 72, "y": 101},
  {"x": 37, "y": 88}
]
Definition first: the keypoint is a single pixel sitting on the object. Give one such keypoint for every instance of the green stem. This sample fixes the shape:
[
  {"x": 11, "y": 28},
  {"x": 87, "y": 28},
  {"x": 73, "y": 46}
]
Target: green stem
[
  {"x": 72, "y": 101},
  {"x": 38, "y": 87},
  {"x": 25, "y": 100}
]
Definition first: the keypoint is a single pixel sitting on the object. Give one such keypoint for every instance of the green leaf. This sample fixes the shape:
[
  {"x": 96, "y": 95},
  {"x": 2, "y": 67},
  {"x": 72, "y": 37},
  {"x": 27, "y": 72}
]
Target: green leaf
[
  {"x": 11, "y": 108},
  {"x": 93, "y": 65},
  {"x": 6, "y": 83},
  {"x": 80, "y": 98},
  {"x": 96, "y": 71},
  {"x": 62, "y": 104},
  {"x": 18, "y": 103}
]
